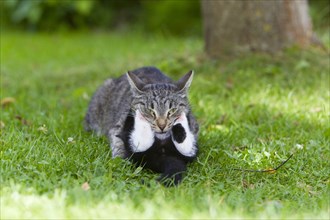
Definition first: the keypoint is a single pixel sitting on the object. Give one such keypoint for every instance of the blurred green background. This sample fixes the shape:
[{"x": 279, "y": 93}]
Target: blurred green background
[
  {"x": 170, "y": 16},
  {"x": 177, "y": 17}
]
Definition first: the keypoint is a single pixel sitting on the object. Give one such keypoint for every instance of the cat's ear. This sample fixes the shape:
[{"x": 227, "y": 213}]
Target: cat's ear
[
  {"x": 135, "y": 83},
  {"x": 184, "y": 83}
]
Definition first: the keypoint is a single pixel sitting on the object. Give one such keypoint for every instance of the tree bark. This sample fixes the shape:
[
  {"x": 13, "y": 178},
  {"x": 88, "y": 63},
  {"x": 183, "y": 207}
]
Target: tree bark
[{"x": 234, "y": 26}]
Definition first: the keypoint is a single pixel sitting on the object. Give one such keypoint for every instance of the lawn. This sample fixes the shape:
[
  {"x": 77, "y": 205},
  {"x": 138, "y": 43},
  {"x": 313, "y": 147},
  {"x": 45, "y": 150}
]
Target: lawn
[{"x": 254, "y": 112}]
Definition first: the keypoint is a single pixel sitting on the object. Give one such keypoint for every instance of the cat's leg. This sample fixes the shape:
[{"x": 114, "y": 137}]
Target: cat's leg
[
  {"x": 182, "y": 137},
  {"x": 117, "y": 146},
  {"x": 115, "y": 137}
]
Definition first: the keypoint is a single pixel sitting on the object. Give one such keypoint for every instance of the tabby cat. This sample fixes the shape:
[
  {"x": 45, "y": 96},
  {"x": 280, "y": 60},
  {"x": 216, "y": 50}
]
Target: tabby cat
[{"x": 147, "y": 119}]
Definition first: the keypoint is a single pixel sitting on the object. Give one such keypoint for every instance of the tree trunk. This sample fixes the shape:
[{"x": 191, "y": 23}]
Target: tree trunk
[{"x": 232, "y": 27}]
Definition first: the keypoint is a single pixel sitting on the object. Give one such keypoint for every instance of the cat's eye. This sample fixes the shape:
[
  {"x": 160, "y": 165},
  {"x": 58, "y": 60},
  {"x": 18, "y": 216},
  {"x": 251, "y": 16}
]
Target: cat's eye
[
  {"x": 152, "y": 112},
  {"x": 171, "y": 112}
]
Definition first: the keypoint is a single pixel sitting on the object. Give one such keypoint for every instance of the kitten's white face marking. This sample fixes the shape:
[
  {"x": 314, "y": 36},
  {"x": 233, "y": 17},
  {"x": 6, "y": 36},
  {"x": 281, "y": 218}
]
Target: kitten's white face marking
[
  {"x": 142, "y": 136},
  {"x": 188, "y": 146}
]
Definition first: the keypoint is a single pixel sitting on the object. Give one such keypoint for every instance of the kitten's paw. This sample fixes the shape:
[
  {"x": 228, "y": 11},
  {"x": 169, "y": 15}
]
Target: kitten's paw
[
  {"x": 178, "y": 133},
  {"x": 142, "y": 136},
  {"x": 183, "y": 138}
]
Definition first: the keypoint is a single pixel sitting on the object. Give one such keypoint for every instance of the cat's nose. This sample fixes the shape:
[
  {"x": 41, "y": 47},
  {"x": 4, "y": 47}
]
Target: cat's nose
[
  {"x": 161, "y": 123},
  {"x": 162, "y": 126}
]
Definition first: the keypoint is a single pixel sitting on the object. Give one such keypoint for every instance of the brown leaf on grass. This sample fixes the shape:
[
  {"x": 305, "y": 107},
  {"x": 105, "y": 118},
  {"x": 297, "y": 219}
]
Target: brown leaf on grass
[
  {"x": 85, "y": 186},
  {"x": 22, "y": 120},
  {"x": 5, "y": 102}
]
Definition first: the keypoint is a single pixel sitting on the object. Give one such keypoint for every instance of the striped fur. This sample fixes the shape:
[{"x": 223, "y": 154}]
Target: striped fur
[{"x": 159, "y": 102}]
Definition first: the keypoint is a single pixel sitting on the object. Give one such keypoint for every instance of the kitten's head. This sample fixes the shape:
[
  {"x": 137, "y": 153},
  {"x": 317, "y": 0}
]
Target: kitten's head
[{"x": 160, "y": 104}]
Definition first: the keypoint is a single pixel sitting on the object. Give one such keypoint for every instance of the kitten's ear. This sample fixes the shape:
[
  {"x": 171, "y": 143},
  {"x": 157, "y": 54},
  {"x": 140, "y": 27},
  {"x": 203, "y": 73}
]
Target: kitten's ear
[
  {"x": 184, "y": 83},
  {"x": 135, "y": 83}
]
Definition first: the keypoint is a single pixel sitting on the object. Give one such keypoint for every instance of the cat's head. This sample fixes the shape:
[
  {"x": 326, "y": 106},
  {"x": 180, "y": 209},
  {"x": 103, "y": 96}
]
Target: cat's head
[{"x": 161, "y": 104}]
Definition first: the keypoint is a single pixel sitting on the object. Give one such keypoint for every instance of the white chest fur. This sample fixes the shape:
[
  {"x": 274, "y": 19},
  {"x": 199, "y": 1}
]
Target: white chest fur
[
  {"x": 188, "y": 146},
  {"x": 142, "y": 137}
]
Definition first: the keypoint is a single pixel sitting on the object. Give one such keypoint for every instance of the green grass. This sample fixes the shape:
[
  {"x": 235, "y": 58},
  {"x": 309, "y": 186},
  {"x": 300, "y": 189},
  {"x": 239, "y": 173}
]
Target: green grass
[{"x": 254, "y": 112}]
